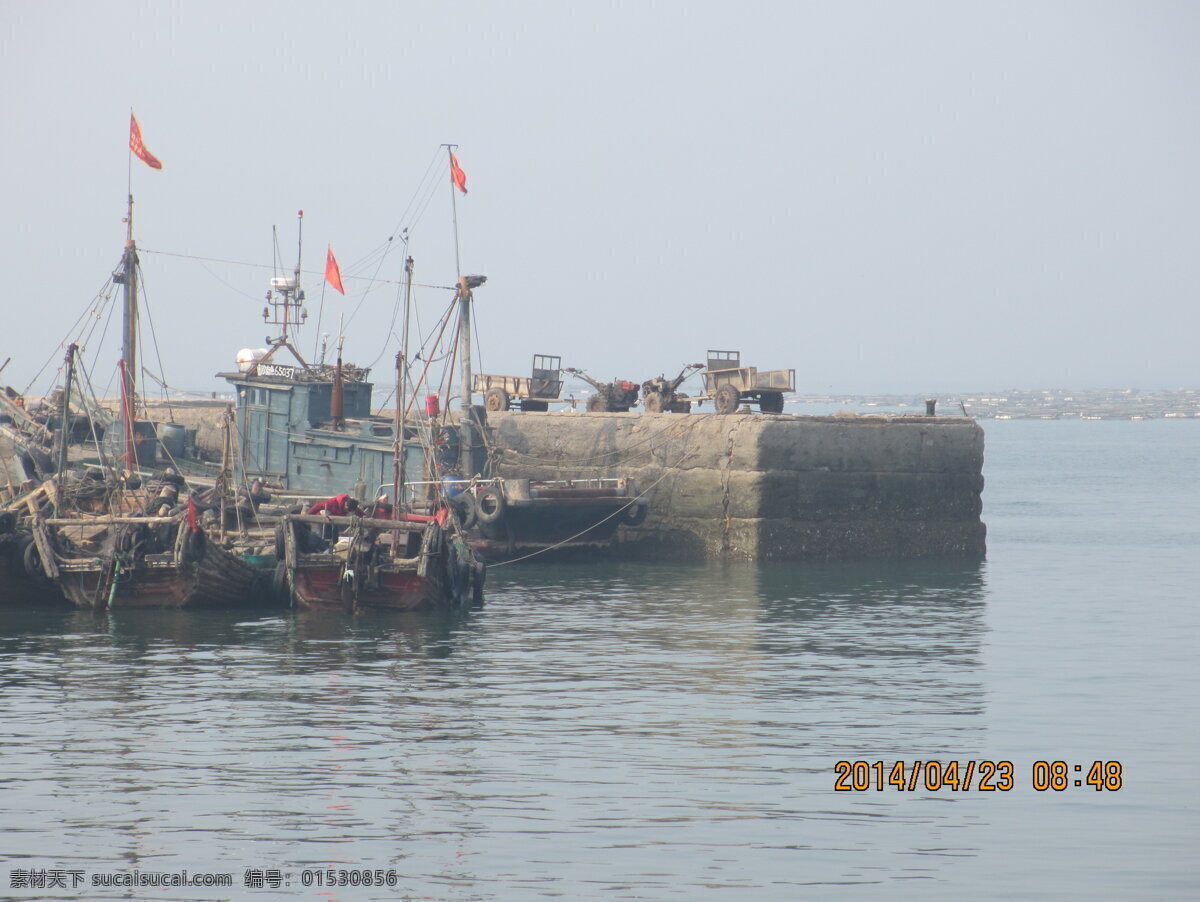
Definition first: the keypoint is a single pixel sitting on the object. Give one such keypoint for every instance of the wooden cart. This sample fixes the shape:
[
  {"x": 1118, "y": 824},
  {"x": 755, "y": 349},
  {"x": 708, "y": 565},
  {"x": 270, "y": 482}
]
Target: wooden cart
[
  {"x": 728, "y": 384},
  {"x": 532, "y": 392}
]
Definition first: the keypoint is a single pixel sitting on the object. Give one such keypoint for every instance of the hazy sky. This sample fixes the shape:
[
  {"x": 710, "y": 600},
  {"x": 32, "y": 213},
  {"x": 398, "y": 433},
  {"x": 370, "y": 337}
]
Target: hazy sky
[{"x": 886, "y": 196}]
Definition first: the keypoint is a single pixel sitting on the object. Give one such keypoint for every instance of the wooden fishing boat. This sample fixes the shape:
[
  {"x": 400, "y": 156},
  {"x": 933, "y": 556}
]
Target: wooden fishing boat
[
  {"x": 105, "y": 539},
  {"x": 406, "y": 564},
  {"x": 117, "y": 558}
]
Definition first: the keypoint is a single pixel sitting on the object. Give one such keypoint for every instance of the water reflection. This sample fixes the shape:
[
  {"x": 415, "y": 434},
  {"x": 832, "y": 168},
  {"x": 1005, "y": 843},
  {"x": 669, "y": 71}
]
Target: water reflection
[{"x": 672, "y": 727}]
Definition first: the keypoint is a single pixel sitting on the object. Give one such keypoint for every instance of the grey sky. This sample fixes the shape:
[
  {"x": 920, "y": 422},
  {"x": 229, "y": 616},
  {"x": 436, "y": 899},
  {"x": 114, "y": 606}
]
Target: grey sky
[{"x": 885, "y": 196}]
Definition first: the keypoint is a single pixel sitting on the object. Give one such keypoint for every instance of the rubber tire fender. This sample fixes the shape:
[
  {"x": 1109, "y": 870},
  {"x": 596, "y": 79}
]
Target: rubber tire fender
[
  {"x": 479, "y": 574},
  {"x": 635, "y": 514},
  {"x": 279, "y": 582},
  {"x": 490, "y": 505},
  {"x": 32, "y": 559},
  {"x": 468, "y": 509}
]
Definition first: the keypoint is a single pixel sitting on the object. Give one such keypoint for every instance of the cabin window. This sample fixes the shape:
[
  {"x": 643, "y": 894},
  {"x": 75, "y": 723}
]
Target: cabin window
[{"x": 381, "y": 430}]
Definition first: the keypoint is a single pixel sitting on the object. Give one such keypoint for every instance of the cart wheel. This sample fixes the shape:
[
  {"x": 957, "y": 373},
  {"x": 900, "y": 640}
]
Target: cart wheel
[
  {"x": 597, "y": 403},
  {"x": 496, "y": 399},
  {"x": 726, "y": 399},
  {"x": 771, "y": 402},
  {"x": 652, "y": 403}
]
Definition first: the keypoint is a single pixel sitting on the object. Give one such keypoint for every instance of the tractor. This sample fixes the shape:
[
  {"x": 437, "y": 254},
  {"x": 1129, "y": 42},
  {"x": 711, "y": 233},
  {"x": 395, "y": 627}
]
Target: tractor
[
  {"x": 614, "y": 397},
  {"x": 660, "y": 395}
]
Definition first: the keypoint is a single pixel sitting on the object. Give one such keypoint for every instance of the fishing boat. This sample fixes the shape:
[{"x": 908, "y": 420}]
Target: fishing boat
[
  {"x": 308, "y": 427},
  {"x": 406, "y": 564},
  {"x": 118, "y": 560},
  {"x": 110, "y": 536},
  {"x": 24, "y": 462}
]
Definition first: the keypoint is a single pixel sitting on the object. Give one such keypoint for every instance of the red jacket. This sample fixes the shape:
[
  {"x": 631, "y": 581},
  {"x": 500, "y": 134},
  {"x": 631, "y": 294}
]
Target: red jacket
[{"x": 335, "y": 506}]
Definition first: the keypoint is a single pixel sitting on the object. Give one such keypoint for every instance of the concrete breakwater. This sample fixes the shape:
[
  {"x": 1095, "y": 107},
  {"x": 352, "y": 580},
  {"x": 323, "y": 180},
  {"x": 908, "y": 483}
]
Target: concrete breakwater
[
  {"x": 762, "y": 487},
  {"x": 751, "y": 486}
]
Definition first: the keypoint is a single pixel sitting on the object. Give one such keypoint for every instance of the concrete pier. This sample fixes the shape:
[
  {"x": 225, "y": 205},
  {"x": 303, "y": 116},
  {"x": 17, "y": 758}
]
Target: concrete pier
[{"x": 769, "y": 487}]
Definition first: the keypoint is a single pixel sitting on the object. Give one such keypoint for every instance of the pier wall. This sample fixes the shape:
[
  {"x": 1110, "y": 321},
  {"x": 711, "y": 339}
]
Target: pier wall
[{"x": 764, "y": 487}]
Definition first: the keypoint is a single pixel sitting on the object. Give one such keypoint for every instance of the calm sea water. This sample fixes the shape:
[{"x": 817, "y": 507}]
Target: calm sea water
[{"x": 656, "y": 731}]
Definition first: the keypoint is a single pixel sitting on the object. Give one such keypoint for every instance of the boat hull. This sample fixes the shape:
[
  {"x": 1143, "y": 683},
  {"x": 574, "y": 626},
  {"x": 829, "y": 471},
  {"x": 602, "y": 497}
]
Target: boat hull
[
  {"x": 384, "y": 565},
  {"x": 324, "y": 586},
  {"x": 18, "y": 587},
  {"x": 220, "y": 579}
]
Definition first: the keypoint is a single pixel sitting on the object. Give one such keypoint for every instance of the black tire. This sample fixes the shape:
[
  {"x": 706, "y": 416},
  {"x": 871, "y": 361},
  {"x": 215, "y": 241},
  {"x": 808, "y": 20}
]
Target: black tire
[
  {"x": 33, "y": 561},
  {"x": 771, "y": 402},
  {"x": 280, "y": 542},
  {"x": 652, "y": 403},
  {"x": 535, "y": 406},
  {"x": 479, "y": 576},
  {"x": 495, "y": 400},
  {"x": 635, "y": 514},
  {"x": 726, "y": 399},
  {"x": 279, "y": 584},
  {"x": 8, "y": 522},
  {"x": 597, "y": 403},
  {"x": 467, "y": 509},
  {"x": 490, "y": 505}
]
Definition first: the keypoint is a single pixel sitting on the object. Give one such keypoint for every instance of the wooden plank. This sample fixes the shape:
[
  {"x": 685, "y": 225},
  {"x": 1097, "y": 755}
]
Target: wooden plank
[{"x": 41, "y": 538}]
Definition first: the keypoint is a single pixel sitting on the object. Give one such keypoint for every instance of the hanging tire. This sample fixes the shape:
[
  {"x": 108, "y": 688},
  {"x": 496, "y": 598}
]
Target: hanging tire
[
  {"x": 635, "y": 514},
  {"x": 280, "y": 543},
  {"x": 490, "y": 505},
  {"x": 279, "y": 584},
  {"x": 495, "y": 400},
  {"x": 466, "y": 508},
  {"x": 33, "y": 561},
  {"x": 726, "y": 399},
  {"x": 479, "y": 576}
]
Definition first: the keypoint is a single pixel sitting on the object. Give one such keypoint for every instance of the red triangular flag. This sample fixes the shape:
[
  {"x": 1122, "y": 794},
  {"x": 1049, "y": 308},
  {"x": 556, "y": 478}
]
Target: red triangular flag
[
  {"x": 332, "y": 274},
  {"x": 138, "y": 148},
  {"x": 193, "y": 525},
  {"x": 457, "y": 176}
]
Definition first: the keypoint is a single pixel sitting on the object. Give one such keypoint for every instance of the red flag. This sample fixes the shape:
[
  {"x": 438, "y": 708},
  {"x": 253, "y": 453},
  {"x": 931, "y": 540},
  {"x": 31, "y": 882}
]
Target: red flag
[
  {"x": 333, "y": 275},
  {"x": 191, "y": 515},
  {"x": 138, "y": 148},
  {"x": 457, "y": 175}
]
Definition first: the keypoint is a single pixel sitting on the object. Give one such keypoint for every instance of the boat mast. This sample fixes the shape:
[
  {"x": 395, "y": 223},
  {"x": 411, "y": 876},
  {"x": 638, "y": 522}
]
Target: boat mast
[
  {"x": 398, "y": 443},
  {"x": 401, "y": 394},
  {"x": 64, "y": 436},
  {"x": 129, "y": 270},
  {"x": 464, "y": 332}
]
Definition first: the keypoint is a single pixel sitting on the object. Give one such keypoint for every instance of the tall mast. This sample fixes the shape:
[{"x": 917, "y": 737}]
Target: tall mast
[
  {"x": 398, "y": 443},
  {"x": 464, "y": 331},
  {"x": 401, "y": 392},
  {"x": 129, "y": 269},
  {"x": 65, "y": 411},
  {"x": 464, "y": 296}
]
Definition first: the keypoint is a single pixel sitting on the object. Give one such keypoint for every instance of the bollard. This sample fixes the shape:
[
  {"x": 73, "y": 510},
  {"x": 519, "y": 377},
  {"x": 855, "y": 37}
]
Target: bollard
[{"x": 931, "y": 407}]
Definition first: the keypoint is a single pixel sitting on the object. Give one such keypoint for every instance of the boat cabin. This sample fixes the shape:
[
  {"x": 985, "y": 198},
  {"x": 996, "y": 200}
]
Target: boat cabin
[{"x": 289, "y": 434}]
